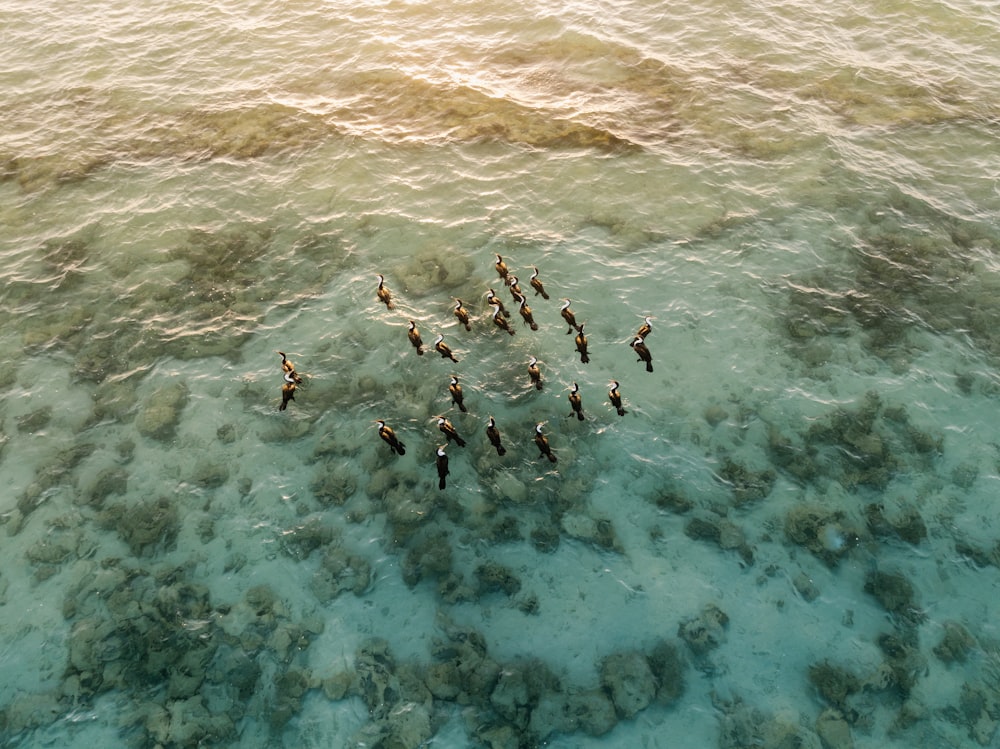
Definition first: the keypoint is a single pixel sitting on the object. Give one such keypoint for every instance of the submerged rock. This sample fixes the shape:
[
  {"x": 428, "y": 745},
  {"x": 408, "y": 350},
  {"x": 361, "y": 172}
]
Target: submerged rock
[
  {"x": 146, "y": 527},
  {"x": 629, "y": 680},
  {"x": 956, "y": 643},
  {"x": 160, "y": 415},
  {"x": 494, "y": 577},
  {"x": 340, "y": 572},
  {"x": 746, "y": 485},
  {"x": 668, "y": 669},
  {"x": 833, "y": 730},
  {"x": 834, "y": 683},
  {"x": 706, "y": 631},
  {"x": 895, "y": 594},
  {"x": 429, "y": 555},
  {"x": 823, "y": 532},
  {"x": 720, "y": 531}
]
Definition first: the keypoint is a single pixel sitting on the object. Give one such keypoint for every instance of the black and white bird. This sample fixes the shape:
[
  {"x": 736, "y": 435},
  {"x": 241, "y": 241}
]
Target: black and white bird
[
  {"x": 457, "y": 397},
  {"x": 542, "y": 442},
  {"x": 384, "y": 295},
  {"x": 441, "y": 461},
  {"x": 414, "y": 336},
  {"x": 536, "y": 283},
  {"x": 642, "y": 351},
  {"x": 500, "y": 321},
  {"x": 526, "y": 314},
  {"x": 576, "y": 402},
  {"x": 492, "y": 299},
  {"x": 616, "y": 398},
  {"x": 462, "y": 314},
  {"x": 568, "y": 316},
  {"x": 449, "y": 431},
  {"x": 581, "y": 344},
  {"x": 389, "y": 437},
  {"x": 442, "y": 348},
  {"x": 287, "y": 390},
  {"x": 645, "y": 329},
  {"x": 493, "y": 435},
  {"x": 535, "y": 373},
  {"x": 501, "y": 268},
  {"x": 288, "y": 368}
]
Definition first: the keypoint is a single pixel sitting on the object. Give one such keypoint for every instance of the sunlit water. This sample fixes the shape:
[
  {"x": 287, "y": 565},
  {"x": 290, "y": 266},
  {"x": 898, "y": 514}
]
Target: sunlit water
[{"x": 790, "y": 537}]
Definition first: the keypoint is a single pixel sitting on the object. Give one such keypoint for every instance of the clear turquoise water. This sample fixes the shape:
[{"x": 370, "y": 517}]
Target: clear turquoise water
[{"x": 804, "y": 199}]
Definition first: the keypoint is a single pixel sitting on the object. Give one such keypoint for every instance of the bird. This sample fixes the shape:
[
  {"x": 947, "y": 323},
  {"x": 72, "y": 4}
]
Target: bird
[
  {"x": 287, "y": 390},
  {"x": 442, "y": 348},
  {"x": 441, "y": 459},
  {"x": 383, "y": 292},
  {"x": 389, "y": 437},
  {"x": 500, "y": 321},
  {"x": 415, "y": 339},
  {"x": 568, "y": 316},
  {"x": 616, "y": 398},
  {"x": 576, "y": 402},
  {"x": 535, "y": 373},
  {"x": 642, "y": 352},
  {"x": 456, "y": 393},
  {"x": 289, "y": 369},
  {"x": 543, "y": 443},
  {"x": 645, "y": 329},
  {"x": 526, "y": 315},
  {"x": 449, "y": 431},
  {"x": 492, "y": 298},
  {"x": 536, "y": 283},
  {"x": 501, "y": 267},
  {"x": 493, "y": 434},
  {"x": 461, "y": 313},
  {"x": 581, "y": 344},
  {"x": 515, "y": 287}
]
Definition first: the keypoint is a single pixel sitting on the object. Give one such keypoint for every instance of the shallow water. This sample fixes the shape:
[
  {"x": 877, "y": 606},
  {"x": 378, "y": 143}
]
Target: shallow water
[{"x": 788, "y": 539}]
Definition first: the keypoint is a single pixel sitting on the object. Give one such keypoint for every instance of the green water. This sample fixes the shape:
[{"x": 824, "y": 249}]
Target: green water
[{"x": 788, "y": 539}]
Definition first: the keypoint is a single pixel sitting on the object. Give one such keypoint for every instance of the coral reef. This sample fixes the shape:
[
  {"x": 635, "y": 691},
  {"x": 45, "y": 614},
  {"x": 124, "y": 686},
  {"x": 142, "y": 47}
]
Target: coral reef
[
  {"x": 895, "y": 594},
  {"x": 705, "y": 632},
  {"x": 160, "y": 414},
  {"x": 147, "y": 527},
  {"x": 192, "y": 668}
]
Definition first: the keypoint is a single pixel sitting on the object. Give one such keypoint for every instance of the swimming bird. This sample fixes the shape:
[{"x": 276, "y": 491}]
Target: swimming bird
[
  {"x": 462, "y": 314},
  {"x": 576, "y": 402},
  {"x": 287, "y": 390},
  {"x": 493, "y": 299},
  {"x": 384, "y": 295},
  {"x": 456, "y": 393},
  {"x": 500, "y": 321},
  {"x": 568, "y": 316},
  {"x": 536, "y": 283},
  {"x": 501, "y": 267},
  {"x": 642, "y": 352},
  {"x": 581, "y": 344},
  {"x": 414, "y": 336},
  {"x": 526, "y": 314},
  {"x": 645, "y": 329},
  {"x": 442, "y": 348},
  {"x": 288, "y": 368},
  {"x": 493, "y": 434},
  {"x": 616, "y": 398},
  {"x": 441, "y": 459},
  {"x": 543, "y": 444},
  {"x": 449, "y": 431},
  {"x": 515, "y": 288},
  {"x": 535, "y": 373},
  {"x": 389, "y": 437}
]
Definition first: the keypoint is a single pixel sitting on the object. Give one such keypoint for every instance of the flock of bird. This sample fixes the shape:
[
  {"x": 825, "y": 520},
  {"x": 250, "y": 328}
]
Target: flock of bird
[{"x": 499, "y": 318}]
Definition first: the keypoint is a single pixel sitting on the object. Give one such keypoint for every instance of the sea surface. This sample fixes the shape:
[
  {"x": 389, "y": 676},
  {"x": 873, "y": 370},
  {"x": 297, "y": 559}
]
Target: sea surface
[{"x": 789, "y": 538}]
